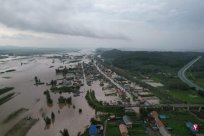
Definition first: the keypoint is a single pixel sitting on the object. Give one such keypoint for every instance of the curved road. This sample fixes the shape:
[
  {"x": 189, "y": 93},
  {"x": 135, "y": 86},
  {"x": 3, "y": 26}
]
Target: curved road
[{"x": 182, "y": 76}]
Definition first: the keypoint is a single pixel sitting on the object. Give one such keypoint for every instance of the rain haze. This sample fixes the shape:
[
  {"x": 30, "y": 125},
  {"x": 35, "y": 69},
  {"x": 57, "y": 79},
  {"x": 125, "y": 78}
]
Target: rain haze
[{"x": 139, "y": 24}]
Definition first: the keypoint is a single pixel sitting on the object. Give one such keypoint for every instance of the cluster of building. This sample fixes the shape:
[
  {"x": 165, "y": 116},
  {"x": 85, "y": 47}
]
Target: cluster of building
[
  {"x": 95, "y": 130},
  {"x": 125, "y": 123},
  {"x": 139, "y": 94},
  {"x": 154, "y": 120},
  {"x": 91, "y": 73},
  {"x": 74, "y": 76}
]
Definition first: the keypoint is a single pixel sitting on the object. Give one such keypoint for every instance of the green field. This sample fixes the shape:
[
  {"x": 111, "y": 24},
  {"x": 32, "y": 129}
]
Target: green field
[
  {"x": 196, "y": 72},
  {"x": 160, "y": 67},
  {"x": 177, "y": 121},
  {"x": 137, "y": 130},
  {"x": 197, "y": 77},
  {"x": 112, "y": 129},
  {"x": 188, "y": 96}
]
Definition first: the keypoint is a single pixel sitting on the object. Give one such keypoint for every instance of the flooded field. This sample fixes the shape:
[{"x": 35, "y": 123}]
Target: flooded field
[{"x": 31, "y": 97}]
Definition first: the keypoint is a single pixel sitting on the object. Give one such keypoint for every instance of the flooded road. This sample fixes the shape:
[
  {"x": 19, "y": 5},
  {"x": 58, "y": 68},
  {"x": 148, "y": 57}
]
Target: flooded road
[{"x": 31, "y": 97}]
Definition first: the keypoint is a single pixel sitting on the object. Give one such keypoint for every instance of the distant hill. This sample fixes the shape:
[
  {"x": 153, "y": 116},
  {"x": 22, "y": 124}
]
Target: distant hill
[
  {"x": 26, "y": 51},
  {"x": 148, "y": 61}
]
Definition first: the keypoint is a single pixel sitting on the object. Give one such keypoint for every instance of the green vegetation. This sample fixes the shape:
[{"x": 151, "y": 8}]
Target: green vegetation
[
  {"x": 10, "y": 70},
  {"x": 48, "y": 98},
  {"x": 160, "y": 67},
  {"x": 65, "y": 89},
  {"x": 64, "y": 132},
  {"x": 14, "y": 115},
  {"x": 6, "y": 98},
  {"x": 53, "y": 83},
  {"x": 62, "y": 100},
  {"x": 52, "y": 116},
  {"x": 199, "y": 114},
  {"x": 47, "y": 120},
  {"x": 99, "y": 106},
  {"x": 80, "y": 110},
  {"x": 177, "y": 121},
  {"x": 37, "y": 81},
  {"x": 196, "y": 72},
  {"x": 112, "y": 129},
  {"x": 137, "y": 130},
  {"x": 187, "y": 96},
  {"x": 21, "y": 128},
  {"x": 5, "y": 90},
  {"x": 143, "y": 62}
]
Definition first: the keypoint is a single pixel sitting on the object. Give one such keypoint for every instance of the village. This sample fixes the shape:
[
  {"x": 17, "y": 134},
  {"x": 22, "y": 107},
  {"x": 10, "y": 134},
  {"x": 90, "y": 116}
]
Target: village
[
  {"x": 112, "y": 104},
  {"x": 131, "y": 97}
]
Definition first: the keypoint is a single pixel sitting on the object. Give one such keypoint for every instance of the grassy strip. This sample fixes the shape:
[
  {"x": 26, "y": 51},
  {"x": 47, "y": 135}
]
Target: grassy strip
[
  {"x": 5, "y": 89},
  {"x": 99, "y": 106},
  {"x": 112, "y": 129},
  {"x": 48, "y": 98},
  {"x": 196, "y": 76},
  {"x": 10, "y": 70},
  {"x": 137, "y": 130},
  {"x": 21, "y": 128},
  {"x": 65, "y": 89},
  {"x": 199, "y": 114},
  {"x": 14, "y": 115},
  {"x": 187, "y": 96},
  {"x": 6, "y": 98},
  {"x": 177, "y": 121}
]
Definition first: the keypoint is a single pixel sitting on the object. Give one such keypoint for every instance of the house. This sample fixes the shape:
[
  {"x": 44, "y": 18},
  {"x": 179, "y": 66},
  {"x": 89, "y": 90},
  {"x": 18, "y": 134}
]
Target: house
[
  {"x": 127, "y": 121},
  {"x": 92, "y": 130},
  {"x": 123, "y": 130},
  {"x": 67, "y": 82},
  {"x": 162, "y": 117}
]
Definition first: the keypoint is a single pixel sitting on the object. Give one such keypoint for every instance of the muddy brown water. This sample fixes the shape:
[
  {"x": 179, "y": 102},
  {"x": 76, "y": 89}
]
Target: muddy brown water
[{"x": 31, "y": 97}]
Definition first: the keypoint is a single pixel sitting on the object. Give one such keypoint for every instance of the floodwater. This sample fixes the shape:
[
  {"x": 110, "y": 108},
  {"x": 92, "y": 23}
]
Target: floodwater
[
  {"x": 100, "y": 94},
  {"x": 31, "y": 97}
]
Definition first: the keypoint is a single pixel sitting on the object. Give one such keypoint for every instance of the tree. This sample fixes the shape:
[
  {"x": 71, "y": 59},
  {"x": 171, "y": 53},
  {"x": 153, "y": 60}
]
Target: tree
[
  {"x": 64, "y": 132},
  {"x": 53, "y": 82},
  {"x": 47, "y": 120},
  {"x": 64, "y": 71},
  {"x": 52, "y": 116},
  {"x": 80, "y": 110},
  {"x": 36, "y": 79}
]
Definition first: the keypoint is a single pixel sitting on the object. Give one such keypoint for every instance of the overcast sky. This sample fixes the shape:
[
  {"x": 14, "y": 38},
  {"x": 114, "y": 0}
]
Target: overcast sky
[{"x": 140, "y": 24}]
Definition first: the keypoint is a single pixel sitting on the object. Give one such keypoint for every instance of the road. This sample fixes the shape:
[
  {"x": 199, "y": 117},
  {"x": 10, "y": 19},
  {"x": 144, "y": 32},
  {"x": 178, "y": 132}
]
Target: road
[
  {"x": 104, "y": 131},
  {"x": 182, "y": 76},
  {"x": 116, "y": 84}
]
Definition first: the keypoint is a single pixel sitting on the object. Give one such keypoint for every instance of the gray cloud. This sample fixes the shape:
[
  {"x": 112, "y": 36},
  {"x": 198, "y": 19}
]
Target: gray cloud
[
  {"x": 60, "y": 17},
  {"x": 138, "y": 23}
]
